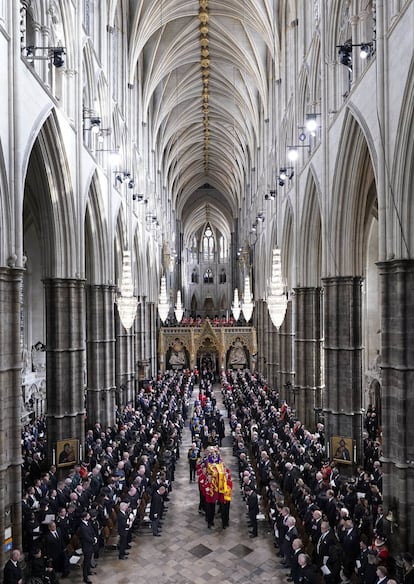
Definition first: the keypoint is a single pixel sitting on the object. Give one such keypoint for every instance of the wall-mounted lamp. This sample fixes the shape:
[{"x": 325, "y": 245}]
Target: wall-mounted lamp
[
  {"x": 54, "y": 54},
  {"x": 271, "y": 196},
  {"x": 366, "y": 50},
  {"x": 95, "y": 127},
  {"x": 152, "y": 219},
  {"x": 285, "y": 173},
  {"x": 94, "y": 124},
  {"x": 293, "y": 152},
  {"x": 123, "y": 176},
  {"x": 311, "y": 123}
]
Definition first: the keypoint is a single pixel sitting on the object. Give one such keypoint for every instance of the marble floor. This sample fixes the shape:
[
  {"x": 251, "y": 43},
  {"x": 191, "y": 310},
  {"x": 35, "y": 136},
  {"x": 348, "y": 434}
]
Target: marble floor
[{"x": 188, "y": 552}]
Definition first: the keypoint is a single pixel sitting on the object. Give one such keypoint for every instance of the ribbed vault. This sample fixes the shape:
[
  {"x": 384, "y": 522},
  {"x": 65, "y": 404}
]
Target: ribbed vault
[{"x": 203, "y": 71}]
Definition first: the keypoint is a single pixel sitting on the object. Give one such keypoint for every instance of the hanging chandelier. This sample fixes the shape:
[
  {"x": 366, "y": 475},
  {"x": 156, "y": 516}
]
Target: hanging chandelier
[
  {"x": 163, "y": 305},
  {"x": 247, "y": 304},
  {"x": 179, "y": 308},
  {"x": 276, "y": 298},
  {"x": 126, "y": 301},
  {"x": 235, "y": 307}
]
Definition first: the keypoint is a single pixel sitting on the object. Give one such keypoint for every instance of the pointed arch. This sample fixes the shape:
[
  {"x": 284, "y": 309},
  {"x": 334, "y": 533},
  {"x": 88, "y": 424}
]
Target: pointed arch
[
  {"x": 5, "y": 212},
  {"x": 49, "y": 195},
  {"x": 353, "y": 199},
  {"x": 401, "y": 189},
  {"x": 97, "y": 245},
  {"x": 309, "y": 254}
]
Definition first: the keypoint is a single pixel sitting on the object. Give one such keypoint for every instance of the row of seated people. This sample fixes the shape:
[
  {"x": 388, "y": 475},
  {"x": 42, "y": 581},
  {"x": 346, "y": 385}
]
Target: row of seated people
[
  {"x": 125, "y": 467},
  {"x": 307, "y": 499}
]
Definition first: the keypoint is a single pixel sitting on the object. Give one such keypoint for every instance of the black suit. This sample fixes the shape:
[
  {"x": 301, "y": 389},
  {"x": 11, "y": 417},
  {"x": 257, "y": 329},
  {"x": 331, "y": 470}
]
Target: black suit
[
  {"x": 286, "y": 547},
  {"x": 328, "y": 548},
  {"x": 253, "y": 509},
  {"x": 331, "y": 512},
  {"x": 351, "y": 549},
  {"x": 123, "y": 533},
  {"x": 87, "y": 538},
  {"x": 12, "y": 573},
  {"x": 55, "y": 550},
  {"x": 156, "y": 509}
]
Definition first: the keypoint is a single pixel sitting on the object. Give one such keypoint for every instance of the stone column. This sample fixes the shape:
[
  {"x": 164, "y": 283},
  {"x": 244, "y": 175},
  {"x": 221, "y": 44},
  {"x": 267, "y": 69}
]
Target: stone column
[
  {"x": 100, "y": 339},
  {"x": 286, "y": 373},
  {"x": 273, "y": 352},
  {"x": 11, "y": 401},
  {"x": 142, "y": 362},
  {"x": 261, "y": 342},
  {"x": 397, "y": 364},
  {"x": 152, "y": 336},
  {"x": 124, "y": 363},
  {"x": 65, "y": 359},
  {"x": 308, "y": 347},
  {"x": 343, "y": 358}
]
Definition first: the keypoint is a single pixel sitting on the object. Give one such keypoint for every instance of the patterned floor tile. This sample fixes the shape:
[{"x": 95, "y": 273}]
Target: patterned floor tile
[{"x": 188, "y": 552}]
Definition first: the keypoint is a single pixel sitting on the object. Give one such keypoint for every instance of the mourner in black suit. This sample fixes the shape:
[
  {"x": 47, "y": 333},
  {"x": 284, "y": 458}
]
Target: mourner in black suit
[
  {"x": 253, "y": 509},
  {"x": 123, "y": 530},
  {"x": 12, "y": 571},
  {"x": 328, "y": 553},
  {"x": 157, "y": 504},
  {"x": 55, "y": 549},
  {"x": 87, "y": 538}
]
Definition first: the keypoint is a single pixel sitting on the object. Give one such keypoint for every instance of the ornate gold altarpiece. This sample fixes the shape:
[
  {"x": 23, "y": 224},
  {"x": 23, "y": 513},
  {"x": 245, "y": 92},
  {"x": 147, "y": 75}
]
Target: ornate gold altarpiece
[{"x": 205, "y": 338}]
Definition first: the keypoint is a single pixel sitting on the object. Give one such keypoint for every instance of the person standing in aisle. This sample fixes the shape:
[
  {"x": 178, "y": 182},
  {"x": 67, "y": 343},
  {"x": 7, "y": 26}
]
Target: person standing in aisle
[
  {"x": 123, "y": 530},
  {"x": 193, "y": 457},
  {"x": 252, "y": 503},
  {"x": 87, "y": 538},
  {"x": 157, "y": 504}
]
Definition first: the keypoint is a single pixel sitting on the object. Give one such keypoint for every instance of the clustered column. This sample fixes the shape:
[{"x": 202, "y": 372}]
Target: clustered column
[
  {"x": 397, "y": 364},
  {"x": 124, "y": 363},
  {"x": 286, "y": 335},
  {"x": 343, "y": 357},
  {"x": 11, "y": 400},
  {"x": 308, "y": 342},
  {"x": 65, "y": 359},
  {"x": 100, "y": 397}
]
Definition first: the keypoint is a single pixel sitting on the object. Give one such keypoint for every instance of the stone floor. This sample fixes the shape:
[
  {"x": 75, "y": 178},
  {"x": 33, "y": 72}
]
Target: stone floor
[{"x": 188, "y": 552}]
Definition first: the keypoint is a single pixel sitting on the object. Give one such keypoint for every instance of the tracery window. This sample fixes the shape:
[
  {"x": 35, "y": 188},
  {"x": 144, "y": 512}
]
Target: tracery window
[
  {"x": 208, "y": 244},
  {"x": 193, "y": 252},
  {"x": 223, "y": 250},
  {"x": 208, "y": 276}
]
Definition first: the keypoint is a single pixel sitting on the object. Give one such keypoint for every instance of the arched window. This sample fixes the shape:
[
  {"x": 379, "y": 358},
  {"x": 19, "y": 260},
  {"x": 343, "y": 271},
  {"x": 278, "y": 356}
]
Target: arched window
[
  {"x": 223, "y": 249},
  {"x": 208, "y": 244},
  {"x": 208, "y": 277}
]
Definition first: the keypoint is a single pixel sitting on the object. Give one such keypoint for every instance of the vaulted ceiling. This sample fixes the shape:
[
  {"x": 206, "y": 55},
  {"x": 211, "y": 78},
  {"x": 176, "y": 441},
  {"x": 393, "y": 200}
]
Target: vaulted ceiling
[{"x": 204, "y": 69}]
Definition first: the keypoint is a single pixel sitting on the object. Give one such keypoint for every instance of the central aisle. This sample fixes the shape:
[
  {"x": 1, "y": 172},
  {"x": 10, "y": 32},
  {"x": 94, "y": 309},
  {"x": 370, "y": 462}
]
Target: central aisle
[{"x": 190, "y": 553}]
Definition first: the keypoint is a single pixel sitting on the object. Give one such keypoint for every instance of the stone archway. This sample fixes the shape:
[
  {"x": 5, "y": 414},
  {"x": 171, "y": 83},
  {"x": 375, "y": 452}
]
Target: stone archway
[{"x": 208, "y": 357}]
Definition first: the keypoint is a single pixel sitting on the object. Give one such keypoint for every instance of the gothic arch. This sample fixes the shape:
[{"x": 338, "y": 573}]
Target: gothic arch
[
  {"x": 49, "y": 196},
  {"x": 5, "y": 212},
  {"x": 97, "y": 266},
  {"x": 309, "y": 255},
  {"x": 403, "y": 176},
  {"x": 288, "y": 247},
  {"x": 352, "y": 200}
]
